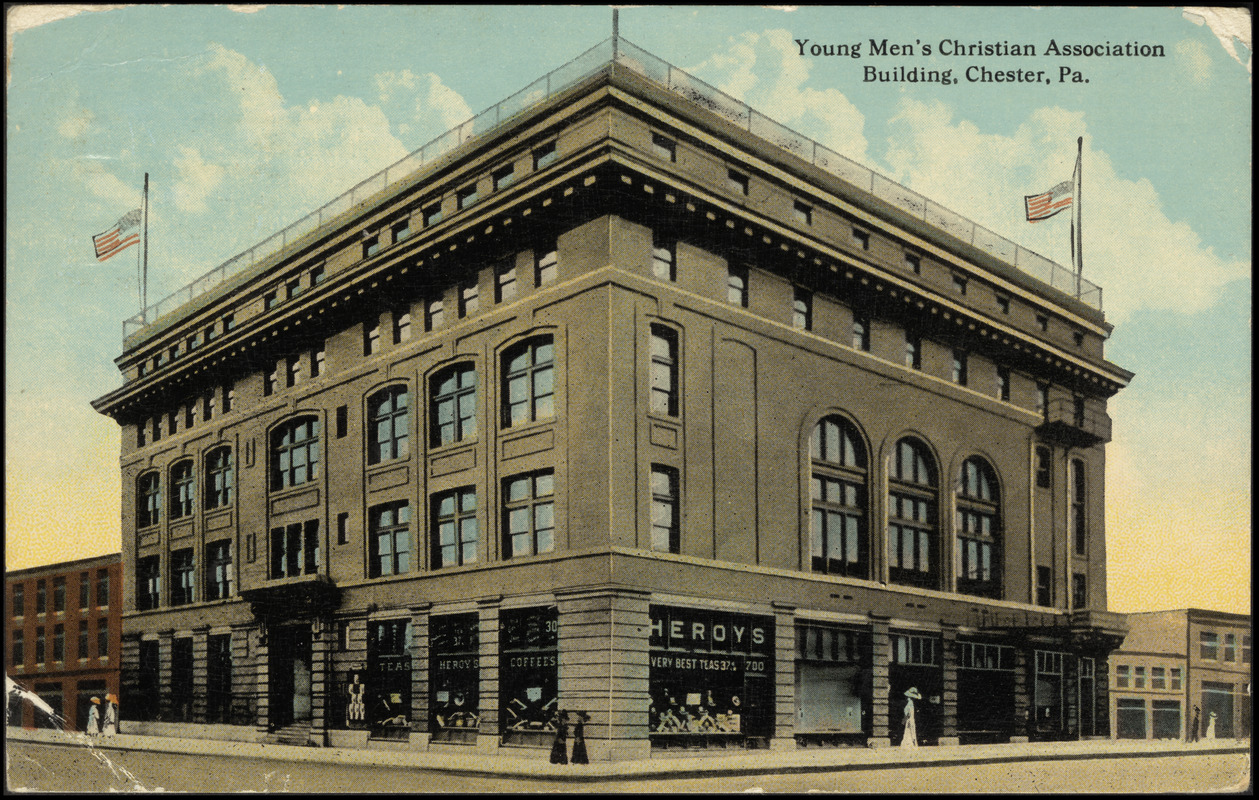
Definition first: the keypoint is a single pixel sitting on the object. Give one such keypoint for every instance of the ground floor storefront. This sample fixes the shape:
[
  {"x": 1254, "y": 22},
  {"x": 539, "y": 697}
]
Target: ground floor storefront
[
  {"x": 68, "y": 695},
  {"x": 638, "y": 673}
]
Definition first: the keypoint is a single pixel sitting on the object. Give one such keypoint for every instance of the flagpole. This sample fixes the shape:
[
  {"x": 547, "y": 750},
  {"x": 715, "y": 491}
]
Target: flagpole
[
  {"x": 144, "y": 270},
  {"x": 1079, "y": 214}
]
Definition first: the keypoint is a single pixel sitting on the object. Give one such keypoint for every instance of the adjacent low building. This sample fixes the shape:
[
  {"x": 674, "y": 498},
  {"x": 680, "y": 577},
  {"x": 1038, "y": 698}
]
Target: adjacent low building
[
  {"x": 620, "y": 399},
  {"x": 62, "y": 634},
  {"x": 1178, "y": 666}
]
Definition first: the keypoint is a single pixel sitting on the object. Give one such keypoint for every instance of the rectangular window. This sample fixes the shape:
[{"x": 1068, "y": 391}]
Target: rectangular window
[
  {"x": 371, "y": 246},
  {"x": 469, "y": 299},
  {"x": 1003, "y": 303},
  {"x": 529, "y": 514},
  {"x": 218, "y": 556},
  {"x": 737, "y": 285},
  {"x": 295, "y": 550},
  {"x": 664, "y": 263},
  {"x": 959, "y": 367},
  {"x": 1003, "y": 384},
  {"x": 664, "y": 147},
  {"x": 182, "y": 672},
  {"x": 802, "y": 309},
  {"x": 1209, "y": 645},
  {"x": 1245, "y": 649},
  {"x": 546, "y": 264},
  {"x": 148, "y": 582},
  {"x": 229, "y": 323},
  {"x": 173, "y": 419},
  {"x": 1230, "y": 647},
  {"x": 229, "y": 397},
  {"x": 182, "y": 577},
  {"x": 915, "y": 650},
  {"x": 959, "y": 284},
  {"x": 41, "y": 646},
  {"x": 294, "y": 288},
  {"x": 318, "y": 361},
  {"x": 803, "y": 213},
  {"x": 190, "y": 414},
  {"x": 293, "y": 370},
  {"x": 1079, "y": 519},
  {"x": 1175, "y": 679},
  {"x": 390, "y": 539},
  {"x": 432, "y": 214},
  {"x": 504, "y": 177},
  {"x": 85, "y": 589},
  {"x": 59, "y": 643},
  {"x": 1044, "y": 586},
  {"x": 915, "y": 262},
  {"x": 41, "y": 596},
  {"x": 1122, "y": 676},
  {"x": 18, "y": 608},
  {"x": 81, "y": 652},
  {"x": 371, "y": 337},
  {"x": 270, "y": 301},
  {"x": 1138, "y": 677},
  {"x": 544, "y": 155},
  {"x": 270, "y": 383},
  {"x": 218, "y": 689},
  {"x": 401, "y": 229},
  {"x": 737, "y": 182},
  {"x": 1079, "y": 591},
  {"x": 665, "y": 528},
  {"x": 140, "y": 438},
  {"x": 401, "y": 326},
  {"x": 434, "y": 313},
  {"x": 862, "y": 237},
  {"x": 466, "y": 196},
  {"x": 19, "y": 650},
  {"x": 342, "y": 421},
  {"x": 1044, "y": 472},
  {"x": 505, "y": 280},
  {"x": 456, "y": 531},
  {"x": 913, "y": 351},
  {"x": 861, "y": 332},
  {"x": 59, "y": 595},
  {"x": 1158, "y": 678},
  {"x": 317, "y": 275},
  {"x": 343, "y": 528},
  {"x": 102, "y": 588},
  {"x": 664, "y": 371}
]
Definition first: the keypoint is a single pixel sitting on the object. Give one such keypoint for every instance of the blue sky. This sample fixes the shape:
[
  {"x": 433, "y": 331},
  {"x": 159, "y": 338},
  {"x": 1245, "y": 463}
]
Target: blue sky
[{"x": 247, "y": 121}]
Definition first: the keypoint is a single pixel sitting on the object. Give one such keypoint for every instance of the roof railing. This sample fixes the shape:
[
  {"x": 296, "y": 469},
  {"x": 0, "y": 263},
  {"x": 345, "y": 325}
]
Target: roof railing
[{"x": 686, "y": 86}]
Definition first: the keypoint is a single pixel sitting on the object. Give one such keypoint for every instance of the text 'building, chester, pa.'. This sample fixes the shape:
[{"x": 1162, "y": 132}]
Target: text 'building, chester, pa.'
[{"x": 619, "y": 399}]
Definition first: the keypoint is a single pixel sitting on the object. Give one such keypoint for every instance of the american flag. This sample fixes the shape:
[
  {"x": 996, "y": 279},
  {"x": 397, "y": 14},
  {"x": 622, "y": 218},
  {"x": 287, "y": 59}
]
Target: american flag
[
  {"x": 1044, "y": 206},
  {"x": 118, "y": 238}
]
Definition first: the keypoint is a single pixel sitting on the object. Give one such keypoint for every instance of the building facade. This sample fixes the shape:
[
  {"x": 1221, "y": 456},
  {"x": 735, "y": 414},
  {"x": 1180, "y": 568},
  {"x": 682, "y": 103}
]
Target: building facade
[
  {"x": 1178, "y": 665},
  {"x": 62, "y": 636},
  {"x": 619, "y": 407}
]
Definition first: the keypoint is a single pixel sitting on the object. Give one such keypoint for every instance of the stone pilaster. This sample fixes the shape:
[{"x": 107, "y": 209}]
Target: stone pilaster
[
  {"x": 419, "y": 674},
  {"x": 1024, "y": 683},
  {"x": 322, "y": 635},
  {"x": 881, "y": 681},
  {"x": 165, "y": 680},
  {"x": 784, "y": 677},
  {"x": 488, "y": 732},
  {"x": 950, "y": 656},
  {"x": 200, "y": 673}
]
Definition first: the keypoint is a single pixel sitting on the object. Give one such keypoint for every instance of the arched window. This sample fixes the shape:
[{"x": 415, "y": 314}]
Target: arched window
[
  {"x": 839, "y": 544},
  {"x": 529, "y": 381},
  {"x": 182, "y": 489},
  {"x": 148, "y": 500},
  {"x": 218, "y": 478},
  {"x": 912, "y": 534},
  {"x": 295, "y": 452},
  {"x": 979, "y": 530},
  {"x": 454, "y": 404},
  {"x": 388, "y": 423}
]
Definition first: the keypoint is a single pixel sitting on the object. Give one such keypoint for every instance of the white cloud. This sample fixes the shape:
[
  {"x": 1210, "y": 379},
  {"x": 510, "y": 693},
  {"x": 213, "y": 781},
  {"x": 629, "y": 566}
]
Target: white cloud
[
  {"x": 73, "y": 126},
  {"x": 196, "y": 180},
  {"x": 427, "y": 107},
  {"x": 1127, "y": 238},
  {"x": 765, "y": 71},
  {"x": 1193, "y": 55}
]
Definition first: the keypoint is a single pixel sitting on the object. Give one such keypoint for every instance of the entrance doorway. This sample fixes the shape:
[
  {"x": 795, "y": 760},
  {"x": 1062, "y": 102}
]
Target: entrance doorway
[{"x": 289, "y": 673}]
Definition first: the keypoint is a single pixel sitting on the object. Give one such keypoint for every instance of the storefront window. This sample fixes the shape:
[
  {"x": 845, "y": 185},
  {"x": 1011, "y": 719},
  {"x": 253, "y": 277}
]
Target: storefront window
[
  {"x": 454, "y": 678},
  {"x": 388, "y": 683},
  {"x": 915, "y": 675},
  {"x": 985, "y": 692},
  {"x": 1049, "y": 690},
  {"x": 710, "y": 678},
  {"x": 528, "y": 663},
  {"x": 833, "y": 681}
]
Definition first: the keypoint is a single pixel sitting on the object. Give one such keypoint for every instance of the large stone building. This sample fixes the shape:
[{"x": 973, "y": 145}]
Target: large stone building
[
  {"x": 1173, "y": 662},
  {"x": 62, "y": 633},
  {"x": 627, "y": 401}
]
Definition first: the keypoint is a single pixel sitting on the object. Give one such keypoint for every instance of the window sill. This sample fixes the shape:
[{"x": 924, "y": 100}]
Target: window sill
[{"x": 452, "y": 447}]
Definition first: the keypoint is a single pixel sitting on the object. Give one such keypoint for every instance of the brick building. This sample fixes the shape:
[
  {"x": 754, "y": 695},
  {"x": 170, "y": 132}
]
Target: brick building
[
  {"x": 1175, "y": 661},
  {"x": 620, "y": 399},
  {"x": 62, "y": 634}
]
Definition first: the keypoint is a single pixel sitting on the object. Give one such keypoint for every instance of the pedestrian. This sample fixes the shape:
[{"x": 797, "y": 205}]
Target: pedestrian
[
  {"x": 1211, "y": 726},
  {"x": 1196, "y": 726},
  {"x": 559, "y": 750},
  {"x": 94, "y": 717},
  {"x": 910, "y": 737},
  {"x": 109, "y": 725},
  {"x": 579, "y": 739}
]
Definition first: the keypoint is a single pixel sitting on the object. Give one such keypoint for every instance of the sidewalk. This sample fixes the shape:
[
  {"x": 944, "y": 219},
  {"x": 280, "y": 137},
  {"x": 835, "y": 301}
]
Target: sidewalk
[{"x": 501, "y": 764}]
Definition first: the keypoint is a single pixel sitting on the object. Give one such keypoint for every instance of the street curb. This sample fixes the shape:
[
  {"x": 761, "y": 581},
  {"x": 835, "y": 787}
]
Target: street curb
[{"x": 742, "y": 764}]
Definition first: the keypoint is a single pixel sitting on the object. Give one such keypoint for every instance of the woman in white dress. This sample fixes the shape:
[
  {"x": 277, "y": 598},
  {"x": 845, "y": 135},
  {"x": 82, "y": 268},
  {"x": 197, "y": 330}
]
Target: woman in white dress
[
  {"x": 93, "y": 717},
  {"x": 1211, "y": 727},
  {"x": 109, "y": 724},
  {"x": 910, "y": 737}
]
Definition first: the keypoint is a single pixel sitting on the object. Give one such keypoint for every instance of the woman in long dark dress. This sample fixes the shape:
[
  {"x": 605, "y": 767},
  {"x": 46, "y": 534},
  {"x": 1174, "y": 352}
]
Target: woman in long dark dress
[
  {"x": 579, "y": 739},
  {"x": 559, "y": 750}
]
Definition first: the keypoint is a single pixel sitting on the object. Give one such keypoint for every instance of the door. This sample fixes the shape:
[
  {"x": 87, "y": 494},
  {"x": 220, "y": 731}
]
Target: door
[{"x": 290, "y": 689}]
